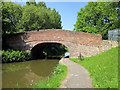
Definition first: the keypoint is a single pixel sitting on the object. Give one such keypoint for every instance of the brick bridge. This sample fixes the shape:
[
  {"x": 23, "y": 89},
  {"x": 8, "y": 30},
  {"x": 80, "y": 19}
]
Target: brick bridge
[{"x": 76, "y": 42}]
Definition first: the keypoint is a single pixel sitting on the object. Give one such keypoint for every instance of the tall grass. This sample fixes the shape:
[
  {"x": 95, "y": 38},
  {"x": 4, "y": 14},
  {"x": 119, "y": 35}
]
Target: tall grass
[
  {"x": 103, "y": 68},
  {"x": 55, "y": 79}
]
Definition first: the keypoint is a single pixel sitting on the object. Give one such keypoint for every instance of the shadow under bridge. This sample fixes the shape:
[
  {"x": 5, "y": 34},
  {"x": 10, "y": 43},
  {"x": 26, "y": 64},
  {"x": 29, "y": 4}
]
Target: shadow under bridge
[{"x": 48, "y": 51}]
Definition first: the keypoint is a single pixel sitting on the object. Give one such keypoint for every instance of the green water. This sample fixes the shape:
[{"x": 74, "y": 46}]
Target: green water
[{"x": 25, "y": 74}]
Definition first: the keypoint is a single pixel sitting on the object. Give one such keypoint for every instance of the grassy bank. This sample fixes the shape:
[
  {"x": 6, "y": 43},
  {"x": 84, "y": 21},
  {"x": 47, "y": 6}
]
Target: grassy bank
[
  {"x": 103, "y": 68},
  {"x": 55, "y": 79}
]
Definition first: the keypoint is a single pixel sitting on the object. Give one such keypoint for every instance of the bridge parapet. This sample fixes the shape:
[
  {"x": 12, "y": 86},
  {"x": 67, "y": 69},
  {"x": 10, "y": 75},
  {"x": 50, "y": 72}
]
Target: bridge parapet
[{"x": 68, "y": 36}]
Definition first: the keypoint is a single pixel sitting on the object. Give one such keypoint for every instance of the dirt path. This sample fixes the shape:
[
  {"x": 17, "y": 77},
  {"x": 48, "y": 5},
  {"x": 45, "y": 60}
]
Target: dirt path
[{"x": 78, "y": 77}]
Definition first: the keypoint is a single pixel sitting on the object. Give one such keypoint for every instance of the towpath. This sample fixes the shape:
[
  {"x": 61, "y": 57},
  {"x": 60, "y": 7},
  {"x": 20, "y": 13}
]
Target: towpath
[{"x": 77, "y": 77}]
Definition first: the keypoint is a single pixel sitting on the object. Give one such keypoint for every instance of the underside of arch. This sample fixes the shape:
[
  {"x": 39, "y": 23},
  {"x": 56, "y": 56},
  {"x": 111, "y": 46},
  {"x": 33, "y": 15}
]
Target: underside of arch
[{"x": 48, "y": 50}]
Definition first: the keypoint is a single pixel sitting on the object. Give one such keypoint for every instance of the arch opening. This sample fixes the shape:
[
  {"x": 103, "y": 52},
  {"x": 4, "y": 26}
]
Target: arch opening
[{"x": 48, "y": 51}]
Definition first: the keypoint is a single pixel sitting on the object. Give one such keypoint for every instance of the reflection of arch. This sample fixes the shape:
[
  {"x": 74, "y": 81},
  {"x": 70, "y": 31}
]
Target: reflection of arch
[{"x": 48, "y": 50}]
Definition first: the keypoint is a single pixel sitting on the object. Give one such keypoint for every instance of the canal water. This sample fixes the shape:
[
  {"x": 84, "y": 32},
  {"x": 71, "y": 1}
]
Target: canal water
[{"x": 25, "y": 74}]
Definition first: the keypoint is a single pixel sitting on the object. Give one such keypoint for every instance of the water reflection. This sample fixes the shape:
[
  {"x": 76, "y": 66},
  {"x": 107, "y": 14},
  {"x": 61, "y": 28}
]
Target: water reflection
[{"x": 25, "y": 74}]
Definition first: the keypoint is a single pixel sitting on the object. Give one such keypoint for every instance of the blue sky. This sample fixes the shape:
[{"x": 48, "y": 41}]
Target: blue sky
[{"x": 68, "y": 12}]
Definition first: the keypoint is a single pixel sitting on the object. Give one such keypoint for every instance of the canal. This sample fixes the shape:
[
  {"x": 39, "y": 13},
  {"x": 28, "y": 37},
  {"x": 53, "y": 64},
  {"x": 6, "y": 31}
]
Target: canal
[{"x": 26, "y": 74}]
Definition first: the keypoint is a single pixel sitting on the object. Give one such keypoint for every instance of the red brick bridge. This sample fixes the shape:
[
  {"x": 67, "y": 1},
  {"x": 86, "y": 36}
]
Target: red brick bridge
[{"x": 77, "y": 42}]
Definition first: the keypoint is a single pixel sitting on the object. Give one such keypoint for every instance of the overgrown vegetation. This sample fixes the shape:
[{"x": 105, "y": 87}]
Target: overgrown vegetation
[
  {"x": 54, "y": 81},
  {"x": 103, "y": 68},
  {"x": 14, "y": 56}
]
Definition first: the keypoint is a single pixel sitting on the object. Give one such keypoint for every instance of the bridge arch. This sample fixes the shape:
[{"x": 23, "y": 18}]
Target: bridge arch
[
  {"x": 48, "y": 50},
  {"x": 77, "y": 42}
]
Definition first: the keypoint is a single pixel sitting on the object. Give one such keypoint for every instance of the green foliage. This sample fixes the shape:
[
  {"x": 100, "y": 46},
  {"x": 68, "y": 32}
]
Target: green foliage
[
  {"x": 98, "y": 17},
  {"x": 11, "y": 14},
  {"x": 39, "y": 17},
  {"x": 14, "y": 56},
  {"x": 29, "y": 17},
  {"x": 31, "y": 2},
  {"x": 55, "y": 79},
  {"x": 41, "y": 4},
  {"x": 103, "y": 68}
]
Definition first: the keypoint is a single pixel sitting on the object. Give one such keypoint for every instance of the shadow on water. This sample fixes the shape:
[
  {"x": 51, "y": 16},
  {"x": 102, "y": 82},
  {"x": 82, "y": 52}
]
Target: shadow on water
[{"x": 25, "y": 74}]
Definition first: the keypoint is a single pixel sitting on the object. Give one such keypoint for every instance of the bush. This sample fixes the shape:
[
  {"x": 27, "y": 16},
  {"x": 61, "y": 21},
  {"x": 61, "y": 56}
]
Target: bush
[{"x": 14, "y": 56}]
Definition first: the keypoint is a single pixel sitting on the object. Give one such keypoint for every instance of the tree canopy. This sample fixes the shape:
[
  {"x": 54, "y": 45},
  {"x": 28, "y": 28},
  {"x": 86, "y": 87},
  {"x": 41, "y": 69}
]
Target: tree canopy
[
  {"x": 32, "y": 16},
  {"x": 98, "y": 17},
  {"x": 11, "y": 14}
]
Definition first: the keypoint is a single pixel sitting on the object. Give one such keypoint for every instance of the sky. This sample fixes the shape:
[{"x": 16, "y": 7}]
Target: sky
[{"x": 67, "y": 10}]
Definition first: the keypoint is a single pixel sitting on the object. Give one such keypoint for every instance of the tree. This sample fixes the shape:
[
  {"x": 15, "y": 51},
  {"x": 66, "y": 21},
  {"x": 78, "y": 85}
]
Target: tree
[
  {"x": 32, "y": 16},
  {"x": 11, "y": 15},
  {"x": 40, "y": 17},
  {"x": 55, "y": 19},
  {"x": 97, "y": 17},
  {"x": 31, "y": 2},
  {"x": 41, "y": 4},
  {"x": 29, "y": 18}
]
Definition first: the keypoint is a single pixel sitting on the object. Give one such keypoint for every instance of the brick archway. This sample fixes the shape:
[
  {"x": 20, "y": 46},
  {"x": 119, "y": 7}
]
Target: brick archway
[{"x": 77, "y": 42}]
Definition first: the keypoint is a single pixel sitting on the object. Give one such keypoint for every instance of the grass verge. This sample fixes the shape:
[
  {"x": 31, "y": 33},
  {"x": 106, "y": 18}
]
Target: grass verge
[
  {"x": 103, "y": 68},
  {"x": 55, "y": 79}
]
